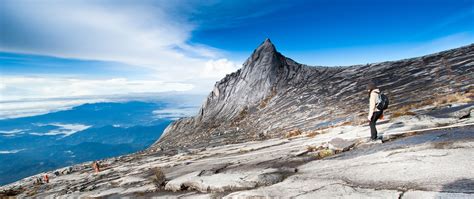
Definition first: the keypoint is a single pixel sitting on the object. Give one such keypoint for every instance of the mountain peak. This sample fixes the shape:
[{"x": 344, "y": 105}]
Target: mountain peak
[
  {"x": 258, "y": 78},
  {"x": 267, "y": 42},
  {"x": 265, "y": 52},
  {"x": 266, "y": 46}
]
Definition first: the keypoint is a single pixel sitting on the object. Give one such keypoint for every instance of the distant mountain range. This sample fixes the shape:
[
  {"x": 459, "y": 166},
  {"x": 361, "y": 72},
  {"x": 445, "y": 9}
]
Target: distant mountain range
[{"x": 30, "y": 145}]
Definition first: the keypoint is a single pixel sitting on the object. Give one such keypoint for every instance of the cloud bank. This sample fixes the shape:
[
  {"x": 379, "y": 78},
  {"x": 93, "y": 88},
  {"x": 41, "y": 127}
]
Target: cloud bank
[
  {"x": 19, "y": 87},
  {"x": 142, "y": 34},
  {"x": 62, "y": 129}
]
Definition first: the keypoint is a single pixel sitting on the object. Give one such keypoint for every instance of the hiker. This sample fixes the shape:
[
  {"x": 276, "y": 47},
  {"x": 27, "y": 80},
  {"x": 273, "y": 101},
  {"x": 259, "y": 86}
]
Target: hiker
[
  {"x": 96, "y": 166},
  {"x": 374, "y": 112},
  {"x": 38, "y": 181},
  {"x": 46, "y": 178}
]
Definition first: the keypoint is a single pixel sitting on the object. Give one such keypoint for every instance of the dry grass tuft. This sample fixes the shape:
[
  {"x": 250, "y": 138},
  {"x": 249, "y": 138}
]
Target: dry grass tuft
[
  {"x": 400, "y": 113},
  {"x": 346, "y": 123},
  {"x": 185, "y": 157},
  {"x": 436, "y": 101},
  {"x": 410, "y": 133},
  {"x": 311, "y": 148},
  {"x": 246, "y": 150},
  {"x": 241, "y": 116},
  {"x": 293, "y": 133},
  {"x": 442, "y": 145},
  {"x": 265, "y": 101},
  {"x": 454, "y": 98},
  {"x": 325, "y": 153},
  {"x": 159, "y": 177},
  {"x": 312, "y": 134}
]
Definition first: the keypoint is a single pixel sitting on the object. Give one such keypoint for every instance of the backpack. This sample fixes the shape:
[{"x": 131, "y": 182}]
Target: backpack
[{"x": 382, "y": 101}]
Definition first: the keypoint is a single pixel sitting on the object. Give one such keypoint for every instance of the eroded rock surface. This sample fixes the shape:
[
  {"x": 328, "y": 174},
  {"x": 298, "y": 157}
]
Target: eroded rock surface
[
  {"x": 410, "y": 163},
  {"x": 235, "y": 147},
  {"x": 428, "y": 164},
  {"x": 272, "y": 94}
]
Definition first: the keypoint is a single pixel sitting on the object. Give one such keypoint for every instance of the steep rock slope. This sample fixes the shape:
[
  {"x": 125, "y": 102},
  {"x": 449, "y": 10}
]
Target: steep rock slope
[{"x": 272, "y": 94}]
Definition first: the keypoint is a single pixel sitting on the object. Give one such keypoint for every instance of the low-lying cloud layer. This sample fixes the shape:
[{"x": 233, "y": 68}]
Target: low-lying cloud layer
[
  {"x": 18, "y": 87},
  {"x": 62, "y": 129}
]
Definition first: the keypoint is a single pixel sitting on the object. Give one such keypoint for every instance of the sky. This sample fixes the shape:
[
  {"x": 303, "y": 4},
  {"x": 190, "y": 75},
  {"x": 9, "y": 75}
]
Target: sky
[{"x": 52, "y": 49}]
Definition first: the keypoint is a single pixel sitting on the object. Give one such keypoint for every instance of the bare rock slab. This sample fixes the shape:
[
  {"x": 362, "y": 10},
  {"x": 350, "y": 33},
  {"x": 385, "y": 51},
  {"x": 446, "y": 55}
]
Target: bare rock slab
[{"x": 341, "y": 145}]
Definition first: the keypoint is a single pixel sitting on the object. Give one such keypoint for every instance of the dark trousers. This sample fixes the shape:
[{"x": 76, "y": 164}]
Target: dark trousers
[{"x": 373, "y": 120}]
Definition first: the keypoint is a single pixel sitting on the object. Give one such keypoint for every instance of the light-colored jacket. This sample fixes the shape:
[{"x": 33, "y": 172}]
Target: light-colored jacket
[{"x": 372, "y": 102}]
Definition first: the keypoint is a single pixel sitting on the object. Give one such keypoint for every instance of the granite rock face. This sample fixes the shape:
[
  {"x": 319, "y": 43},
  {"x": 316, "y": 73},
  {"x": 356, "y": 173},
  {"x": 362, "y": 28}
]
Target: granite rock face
[
  {"x": 272, "y": 94},
  {"x": 255, "y": 137},
  {"x": 412, "y": 163}
]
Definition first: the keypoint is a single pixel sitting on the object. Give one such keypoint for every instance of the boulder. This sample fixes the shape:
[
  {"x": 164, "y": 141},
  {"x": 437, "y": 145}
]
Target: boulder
[{"x": 341, "y": 145}]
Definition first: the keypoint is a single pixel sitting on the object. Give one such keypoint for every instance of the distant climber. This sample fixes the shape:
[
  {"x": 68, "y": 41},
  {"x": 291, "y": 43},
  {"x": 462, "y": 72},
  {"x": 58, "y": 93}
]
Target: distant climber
[
  {"x": 96, "y": 166},
  {"x": 46, "y": 178},
  {"x": 38, "y": 181},
  {"x": 377, "y": 103}
]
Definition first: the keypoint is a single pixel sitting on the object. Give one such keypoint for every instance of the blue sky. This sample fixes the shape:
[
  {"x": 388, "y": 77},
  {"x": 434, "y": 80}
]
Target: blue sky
[
  {"x": 19, "y": 64},
  {"x": 306, "y": 28},
  {"x": 59, "y": 49},
  {"x": 315, "y": 25}
]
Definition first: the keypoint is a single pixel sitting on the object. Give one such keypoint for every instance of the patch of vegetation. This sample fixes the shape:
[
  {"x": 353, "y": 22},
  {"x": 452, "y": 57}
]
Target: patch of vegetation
[
  {"x": 442, "y": 145},
  {"x": 400, "y": 113},
  {"x": 246, "y": 150},
  {"x": 436, "y": 101},
  {"x": 114, "y": 184},
  {"x": 311, "y": 148},
  {"x": 241, "y": 116},
  {"x": 312, "y": 134},
  {"x": 455, "y": 98},
  {"x": 293, "y": 133},
  {"x": 159, "y": 177},
  {"x": 325, "y": 153},
  {"x": 267, "y": 99},
  {"x": 10, "y": 193}
]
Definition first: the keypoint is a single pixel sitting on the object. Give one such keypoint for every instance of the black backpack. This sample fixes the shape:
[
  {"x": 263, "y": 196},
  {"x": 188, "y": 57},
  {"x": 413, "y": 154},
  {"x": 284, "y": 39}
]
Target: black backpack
[{"x": 382, "y": 102}]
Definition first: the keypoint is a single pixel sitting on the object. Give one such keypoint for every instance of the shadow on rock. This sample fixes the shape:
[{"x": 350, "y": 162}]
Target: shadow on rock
[
  {"x": 436, "y": 137},
  {"x": 463, "y": 185}
]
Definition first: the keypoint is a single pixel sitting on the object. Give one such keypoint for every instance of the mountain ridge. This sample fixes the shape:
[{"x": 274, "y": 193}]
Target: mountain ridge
[
  {"x": 271, "y": 144},
  {"x": 234, "y": 109}
]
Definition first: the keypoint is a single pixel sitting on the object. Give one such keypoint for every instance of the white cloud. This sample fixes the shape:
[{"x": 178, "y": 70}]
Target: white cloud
[
  {"x": 64, "y": 129},
  {"x": 15, "y": 109},
  {"x": 28, "y": 96},
  {"x": 12, "y": 132},
  {"x": 175, "y": 113},
  {"x": 144, "y": 34},
  {"x": 149, "y": 34},
  {"x": 218, "y": 68},
  {"x": 11, "y": 151},
  {"x": 17, "y": 87}
]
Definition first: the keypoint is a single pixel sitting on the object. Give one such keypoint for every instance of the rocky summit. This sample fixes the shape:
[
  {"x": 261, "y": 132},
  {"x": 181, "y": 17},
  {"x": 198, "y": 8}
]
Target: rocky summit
[
  {"x": 280, "y": 129},
  {"x": 272, "y": 94}
]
